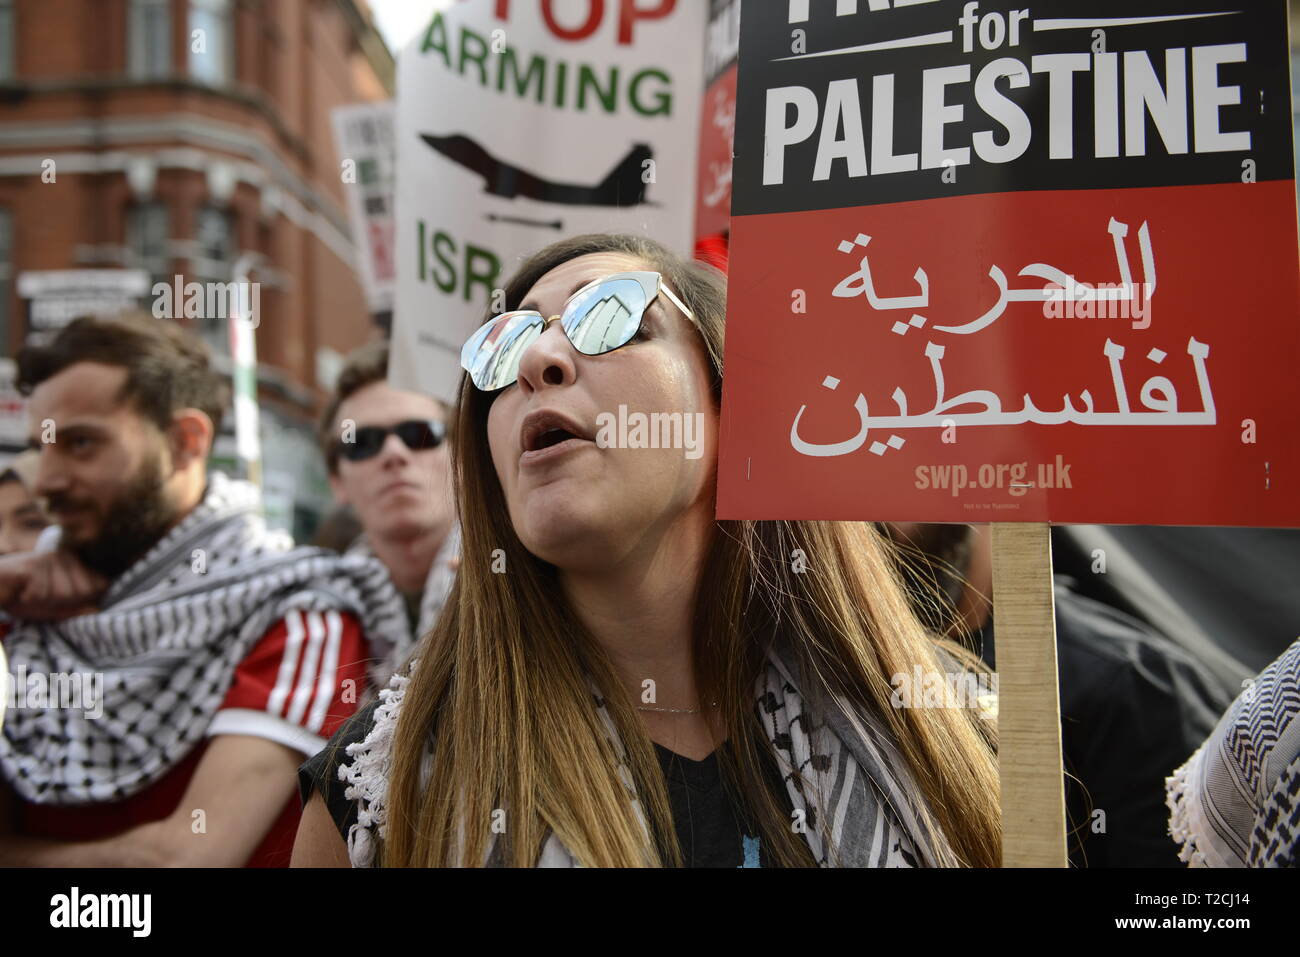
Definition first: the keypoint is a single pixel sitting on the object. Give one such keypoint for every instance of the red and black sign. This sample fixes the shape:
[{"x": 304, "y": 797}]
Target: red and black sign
[
  {"x": 1000, "y": 263},
  {"x": 717, "y": 120}
]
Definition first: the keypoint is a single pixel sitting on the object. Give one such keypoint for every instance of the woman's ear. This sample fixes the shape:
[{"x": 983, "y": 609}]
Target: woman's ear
[{"x": 190, "y": 437}]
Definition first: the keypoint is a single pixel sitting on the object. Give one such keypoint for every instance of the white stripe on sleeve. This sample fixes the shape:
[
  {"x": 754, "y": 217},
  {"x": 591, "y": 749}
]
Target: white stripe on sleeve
[
  {"x": 288, "y": 663},
  {"x": 328, "y": 670},
  {"x": 307, "y": 676}
]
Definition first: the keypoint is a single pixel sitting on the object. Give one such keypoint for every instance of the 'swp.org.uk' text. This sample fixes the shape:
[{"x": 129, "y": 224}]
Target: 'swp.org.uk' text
[{"x": 1015, "y": 477}]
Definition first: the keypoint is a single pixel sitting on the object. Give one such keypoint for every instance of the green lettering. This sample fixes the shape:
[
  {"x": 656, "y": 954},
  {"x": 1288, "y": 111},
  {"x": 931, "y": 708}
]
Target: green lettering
[
  {"x": 420, "y": 230},
  {"x": 662, "y": 98},
  {"x": 435, "y": 38},
  {"x": 536, "y": 68},
  {"x": 488, "y": 280},
  {"x": 561, "y": 87},
  {"x": 587, "y": 78},
  {"x": 466, "y": 36},
  {"x": 439, "y": 239}
]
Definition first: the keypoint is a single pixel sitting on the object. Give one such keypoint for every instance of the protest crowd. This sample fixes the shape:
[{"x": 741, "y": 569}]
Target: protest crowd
[
  {"x": 522, "y": 634},
  {"x": 226, "y": 658}
]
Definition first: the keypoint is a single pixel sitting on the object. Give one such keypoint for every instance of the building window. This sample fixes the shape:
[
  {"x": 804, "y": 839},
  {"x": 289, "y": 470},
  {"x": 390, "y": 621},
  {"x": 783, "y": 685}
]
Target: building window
[
  {"x": 210, "y": 39},
  {"x": 214, "y": 234},
  {"x": 213, "y": 257},
  {"x": 214, "y": 240},
  {"x": 148, "y": 225},
  {"x": 7, "y": 40},
  {"x": 149, "y": 54}
]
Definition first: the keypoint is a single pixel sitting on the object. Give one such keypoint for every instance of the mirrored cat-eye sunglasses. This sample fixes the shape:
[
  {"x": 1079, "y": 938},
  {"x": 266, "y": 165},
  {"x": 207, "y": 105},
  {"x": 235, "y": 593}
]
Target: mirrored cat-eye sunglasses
[{"x": 602, "y": 316}]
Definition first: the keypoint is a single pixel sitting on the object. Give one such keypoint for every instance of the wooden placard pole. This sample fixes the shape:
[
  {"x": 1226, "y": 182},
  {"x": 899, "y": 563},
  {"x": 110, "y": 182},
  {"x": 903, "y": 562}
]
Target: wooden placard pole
[{"x": 1029, "y": 707}]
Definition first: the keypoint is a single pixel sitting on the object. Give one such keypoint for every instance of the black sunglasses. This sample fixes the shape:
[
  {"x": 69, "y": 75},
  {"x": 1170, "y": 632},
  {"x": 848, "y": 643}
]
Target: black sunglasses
[{"x": 416, "y": 434}]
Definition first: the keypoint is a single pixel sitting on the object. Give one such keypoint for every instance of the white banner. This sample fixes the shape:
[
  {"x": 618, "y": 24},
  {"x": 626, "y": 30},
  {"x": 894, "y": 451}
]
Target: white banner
[
  {"x": 60, "y": 295},
  {"x": 13, "y": 413},
  {"x": 365, "y": 139},
  {"x": 520, "y": 122}
]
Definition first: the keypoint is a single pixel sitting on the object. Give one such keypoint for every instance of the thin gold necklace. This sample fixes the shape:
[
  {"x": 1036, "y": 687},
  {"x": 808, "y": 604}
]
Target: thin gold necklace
[{"x": 713, "y": 704}]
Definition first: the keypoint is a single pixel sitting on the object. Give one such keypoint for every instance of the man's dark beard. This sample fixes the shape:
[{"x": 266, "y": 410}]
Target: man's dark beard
[
  {"x": 134, "y": 523},
  {"x": 941, "y": 567}
]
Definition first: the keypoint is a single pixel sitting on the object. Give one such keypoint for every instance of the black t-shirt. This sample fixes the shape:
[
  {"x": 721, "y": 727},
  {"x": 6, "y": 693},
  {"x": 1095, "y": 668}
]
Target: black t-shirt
[{"x": 713, "y": 828}]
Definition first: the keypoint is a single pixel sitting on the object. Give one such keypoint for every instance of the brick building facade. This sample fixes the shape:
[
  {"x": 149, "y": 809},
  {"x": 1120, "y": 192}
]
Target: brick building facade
[{"x": 175, "y": 137}]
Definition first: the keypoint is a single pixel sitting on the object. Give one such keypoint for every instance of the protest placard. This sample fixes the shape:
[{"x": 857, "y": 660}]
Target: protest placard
[
  {"x": 365, "y": 140},
  {"x": 522, "y": 123},
  {"x": 1013, "y": 265},
  {"x": 992, "y": 263},
  {"x": 718, "y": 120}
]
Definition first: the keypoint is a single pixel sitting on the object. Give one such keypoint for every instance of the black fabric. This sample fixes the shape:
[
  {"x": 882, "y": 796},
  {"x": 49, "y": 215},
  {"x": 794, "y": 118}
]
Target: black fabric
[
  {"x": 713, "y": 829},
  {"x": 1226, "y": 595},
  {"x": 1133, "y": 708},
  {"x": 321, "y": 771}
]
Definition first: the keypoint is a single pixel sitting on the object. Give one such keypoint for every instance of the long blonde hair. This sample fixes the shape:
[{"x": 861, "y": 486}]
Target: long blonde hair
[{"x": 502, "y": 689}]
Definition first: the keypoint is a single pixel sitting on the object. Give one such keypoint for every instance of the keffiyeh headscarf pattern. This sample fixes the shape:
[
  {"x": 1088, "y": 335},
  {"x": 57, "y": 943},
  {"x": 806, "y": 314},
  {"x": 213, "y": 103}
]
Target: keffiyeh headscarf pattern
[
  {"x": 1236, "y": 801},
  {"x": 167, "y": 638},
  {"x": 437, "y": 585},
  {"x": 849, "y": 789}
]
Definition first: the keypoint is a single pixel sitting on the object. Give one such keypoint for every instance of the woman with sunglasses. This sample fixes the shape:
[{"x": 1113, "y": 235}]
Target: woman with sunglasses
[{"x": 619, "y": 679}]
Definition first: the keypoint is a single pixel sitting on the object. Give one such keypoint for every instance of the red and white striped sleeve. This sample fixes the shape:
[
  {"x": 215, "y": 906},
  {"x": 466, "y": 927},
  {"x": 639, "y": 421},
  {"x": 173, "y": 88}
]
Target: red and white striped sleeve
[{"x": 299, "y": 683}]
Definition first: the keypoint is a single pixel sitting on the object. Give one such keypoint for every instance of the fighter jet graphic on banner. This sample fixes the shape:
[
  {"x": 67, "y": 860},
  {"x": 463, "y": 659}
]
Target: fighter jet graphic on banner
[{"x": 624, "y": 186}]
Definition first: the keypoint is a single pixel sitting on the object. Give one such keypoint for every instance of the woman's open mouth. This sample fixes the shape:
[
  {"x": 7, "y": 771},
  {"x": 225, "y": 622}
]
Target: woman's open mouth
[
  {"x": 547, "y": 435},
  {"x": 551, "y": 445}
]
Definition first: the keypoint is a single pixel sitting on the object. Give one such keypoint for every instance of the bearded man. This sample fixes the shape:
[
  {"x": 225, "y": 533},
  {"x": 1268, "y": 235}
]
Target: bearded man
[{"x": 173, "y": 660}]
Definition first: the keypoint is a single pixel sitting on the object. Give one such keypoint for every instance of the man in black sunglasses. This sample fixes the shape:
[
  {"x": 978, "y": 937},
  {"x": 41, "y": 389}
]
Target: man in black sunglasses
[{"x": 387, "y": 456}]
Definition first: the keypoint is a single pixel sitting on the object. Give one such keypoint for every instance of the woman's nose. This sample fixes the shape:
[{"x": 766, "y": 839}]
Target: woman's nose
[{"x": 549, "y": 360}]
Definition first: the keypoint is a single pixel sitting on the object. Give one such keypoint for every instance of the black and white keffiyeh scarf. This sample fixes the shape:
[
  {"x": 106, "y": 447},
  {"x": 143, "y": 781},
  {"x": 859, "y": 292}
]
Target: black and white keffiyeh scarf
[
  {"x": 167, "y": 638},
  {"x": 1236, "y": 801},
  {"x": 437, "y": 586},
  {"x": 846, "y": 782}
]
